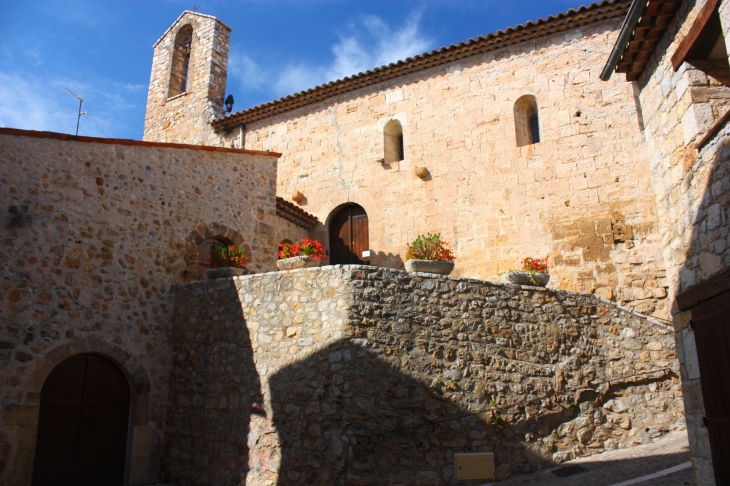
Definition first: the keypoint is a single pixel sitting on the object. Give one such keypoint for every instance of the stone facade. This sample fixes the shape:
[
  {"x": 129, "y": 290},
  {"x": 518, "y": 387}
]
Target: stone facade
[
  {"x": 360, "y": 375},
  {"x": 95, "y": 233},
  {"x": 582, "y": 196},
  {"x": 186, "y": 117},
  {"x": 692, "y": 191}
]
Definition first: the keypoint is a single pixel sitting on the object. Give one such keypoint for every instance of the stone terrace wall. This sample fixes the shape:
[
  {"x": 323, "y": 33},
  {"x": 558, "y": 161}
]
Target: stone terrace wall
[
  {"x": 94, "y": 235},
  {"x": 582, "y": 196},
  {"x": 363, "y": 375}
]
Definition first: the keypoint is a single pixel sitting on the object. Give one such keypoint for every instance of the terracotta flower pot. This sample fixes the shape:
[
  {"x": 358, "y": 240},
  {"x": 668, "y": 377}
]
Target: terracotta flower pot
[
  {"x": 297, "y": 262},
  {"x": 519, "y": 277},
  {"x": 429, "y": 266},
  {"x": 225, "y": 272}
]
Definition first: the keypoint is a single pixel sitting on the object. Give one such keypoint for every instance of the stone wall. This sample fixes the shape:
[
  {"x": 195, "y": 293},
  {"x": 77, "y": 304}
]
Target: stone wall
[
  {"x": 582, "y": 196},
  {"x": 692, "y": 193},
  {"x": 374, "y": 376},
  {"x": 186, "y": 118},
  {"x": 95, "y": 233},
  {"x": 677, "y": 108}
]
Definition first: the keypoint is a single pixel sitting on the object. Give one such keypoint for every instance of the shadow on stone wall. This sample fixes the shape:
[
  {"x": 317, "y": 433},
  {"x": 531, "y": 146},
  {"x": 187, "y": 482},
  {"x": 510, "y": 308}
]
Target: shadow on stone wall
[
  {"x": 214, "y": 389},
  {"x": 346, "y": 416},
  {"x": 707, "y": 254}
]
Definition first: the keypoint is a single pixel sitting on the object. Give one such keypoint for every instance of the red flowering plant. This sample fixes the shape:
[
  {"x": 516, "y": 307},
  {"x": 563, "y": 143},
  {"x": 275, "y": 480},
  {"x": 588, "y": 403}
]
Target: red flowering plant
[
  {"x": 222, "y": 255},
  {"x": 429, "y": 247},
  {"x": 536, "y": 265},
  {"x": 305, "y": 247}
]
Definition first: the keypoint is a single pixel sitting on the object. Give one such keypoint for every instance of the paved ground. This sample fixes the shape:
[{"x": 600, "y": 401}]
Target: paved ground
[
  {"x": 620, "y": 467},
  {"x": 623, "y": 467}
]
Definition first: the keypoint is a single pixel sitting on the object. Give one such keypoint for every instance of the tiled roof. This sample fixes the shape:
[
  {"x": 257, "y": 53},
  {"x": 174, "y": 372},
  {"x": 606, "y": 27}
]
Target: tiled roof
[
  {"x": 124, "y": 141},
  {"x": 654, "y": 20},
  {"x": 607, "y": 9},
  {"x": 293, "y": 213}
]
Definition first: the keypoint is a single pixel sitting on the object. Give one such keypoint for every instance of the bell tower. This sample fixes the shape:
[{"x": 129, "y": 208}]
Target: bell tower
[{"x": 188, "y": 80}]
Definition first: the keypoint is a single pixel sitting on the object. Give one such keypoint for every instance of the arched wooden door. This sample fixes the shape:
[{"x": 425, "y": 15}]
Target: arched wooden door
[
  {"x": 349, "y": 235},
  {"x": 82, "y": 427}
]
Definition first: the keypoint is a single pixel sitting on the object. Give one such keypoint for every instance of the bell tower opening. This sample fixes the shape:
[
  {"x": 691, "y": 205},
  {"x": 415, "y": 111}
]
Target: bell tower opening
[{"x": 179, "y": 81}]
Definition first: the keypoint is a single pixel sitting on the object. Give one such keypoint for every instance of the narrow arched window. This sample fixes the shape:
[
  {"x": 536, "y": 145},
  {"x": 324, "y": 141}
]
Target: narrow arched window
[
  {"x": 527, "y": 121},
  {"x": 393, "y": 142},
  {"x": 181, "y": 61}
]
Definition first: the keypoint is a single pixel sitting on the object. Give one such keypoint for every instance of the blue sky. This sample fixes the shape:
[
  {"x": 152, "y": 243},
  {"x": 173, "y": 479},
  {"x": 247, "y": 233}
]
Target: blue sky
[{"x": 102, "y": 50}]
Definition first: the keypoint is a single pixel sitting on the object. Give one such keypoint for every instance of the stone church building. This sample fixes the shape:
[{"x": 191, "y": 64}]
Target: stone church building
[{"x": 595, "y": 137}]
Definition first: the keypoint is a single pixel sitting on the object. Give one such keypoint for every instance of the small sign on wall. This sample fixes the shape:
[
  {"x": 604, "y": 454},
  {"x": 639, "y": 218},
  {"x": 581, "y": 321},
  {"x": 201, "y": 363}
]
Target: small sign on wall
[
  {"x": 471, "y": 466},
  {"x": 366, "y": 255}
]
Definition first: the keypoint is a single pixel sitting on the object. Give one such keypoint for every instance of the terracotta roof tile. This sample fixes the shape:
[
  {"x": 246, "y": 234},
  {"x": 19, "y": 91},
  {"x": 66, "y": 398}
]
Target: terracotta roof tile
[
  {"x": 652, "y": 24},
  {"x": 293, "y": 213},
  {"x": 607, "y": 9},
  {"x": 124, "y": 141}
]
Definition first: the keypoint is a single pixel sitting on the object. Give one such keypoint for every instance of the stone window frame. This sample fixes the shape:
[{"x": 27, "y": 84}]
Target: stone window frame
[
  {"x": 393, "y": 144},
  {"x": 527, "y": 120}
]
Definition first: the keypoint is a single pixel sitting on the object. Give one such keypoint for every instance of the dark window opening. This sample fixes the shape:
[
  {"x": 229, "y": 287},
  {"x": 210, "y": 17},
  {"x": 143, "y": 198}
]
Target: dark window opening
[{"x": 535, "y": 130}]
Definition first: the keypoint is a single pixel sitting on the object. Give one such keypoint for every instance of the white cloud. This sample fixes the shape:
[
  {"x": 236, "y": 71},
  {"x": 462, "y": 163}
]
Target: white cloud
[
  {"x": 35, "y": 102},
  {"x": 249, "y": 73},
  {"x": 367, "y": 44}
]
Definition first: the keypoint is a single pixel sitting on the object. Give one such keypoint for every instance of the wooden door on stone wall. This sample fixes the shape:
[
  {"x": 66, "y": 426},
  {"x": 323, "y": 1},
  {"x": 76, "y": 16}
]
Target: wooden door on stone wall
[
  {"x": 349, "y": 236},
  {"x": 711, "y": 324},
  {"x": 82, "y": 425}
]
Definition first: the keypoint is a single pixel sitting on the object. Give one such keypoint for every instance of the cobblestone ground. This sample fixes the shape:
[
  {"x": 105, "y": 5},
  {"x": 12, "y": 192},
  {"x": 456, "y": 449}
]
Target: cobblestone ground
[{"x": 615, "y": 467}]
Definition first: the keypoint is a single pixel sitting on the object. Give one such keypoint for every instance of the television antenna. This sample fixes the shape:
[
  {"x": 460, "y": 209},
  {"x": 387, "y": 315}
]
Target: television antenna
[
  {"x": 78, "y": 119},
  {"x": 195, "y": 8}
]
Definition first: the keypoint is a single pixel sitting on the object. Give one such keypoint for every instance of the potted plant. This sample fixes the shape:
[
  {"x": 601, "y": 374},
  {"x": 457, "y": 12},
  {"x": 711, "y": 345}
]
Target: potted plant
[
  {"x": 428, "y": 254},
  {"x": 226, "y": 261},
  {"x": 534, "y": 272},
  {"x": 306, "y": 253}
]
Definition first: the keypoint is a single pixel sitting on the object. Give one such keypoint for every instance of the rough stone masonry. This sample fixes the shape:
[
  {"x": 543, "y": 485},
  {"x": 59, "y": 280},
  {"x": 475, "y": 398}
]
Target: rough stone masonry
[{"x": 362, "y": 375}]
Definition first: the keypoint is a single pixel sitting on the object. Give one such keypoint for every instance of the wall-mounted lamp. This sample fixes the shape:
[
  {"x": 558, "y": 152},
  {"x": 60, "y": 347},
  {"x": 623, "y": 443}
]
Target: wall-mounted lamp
[
  {"x": 421, "y": 172},
  {"x": 229, "y": 104},
  {"x": 297, "y": 196}
]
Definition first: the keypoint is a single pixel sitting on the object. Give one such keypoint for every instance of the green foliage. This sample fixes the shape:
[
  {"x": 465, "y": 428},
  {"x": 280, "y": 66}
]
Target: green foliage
[
  {"x": 222, "y": 255},
  {"x": 429, "y": 247}
]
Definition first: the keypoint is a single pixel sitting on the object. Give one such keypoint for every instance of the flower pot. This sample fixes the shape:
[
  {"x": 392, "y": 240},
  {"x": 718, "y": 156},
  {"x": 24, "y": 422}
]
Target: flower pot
[
  {"x": 519, "y": 277},
  {"x": 225, "y": 272},
  {"x": 429, "y": 266},
  {"x": 297, "y": 262}
]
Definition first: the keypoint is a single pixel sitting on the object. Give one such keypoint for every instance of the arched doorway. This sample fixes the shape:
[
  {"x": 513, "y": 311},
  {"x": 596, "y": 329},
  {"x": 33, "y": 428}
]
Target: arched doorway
[
  {"x": 349, "y": 235},
  {"x": 82, "y": 426},
  {"x": 204, "y": 256}
]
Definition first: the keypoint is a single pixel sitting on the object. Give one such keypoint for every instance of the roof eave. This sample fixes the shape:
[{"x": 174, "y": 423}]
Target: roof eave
[{"x": 627, "y": 29}]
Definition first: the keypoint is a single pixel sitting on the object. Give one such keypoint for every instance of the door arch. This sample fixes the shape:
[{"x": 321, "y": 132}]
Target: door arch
[
  {"x": 349, "y": 235},
  {"x": 82, "y": 425}
]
